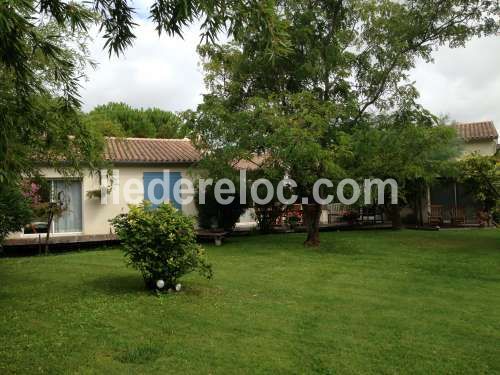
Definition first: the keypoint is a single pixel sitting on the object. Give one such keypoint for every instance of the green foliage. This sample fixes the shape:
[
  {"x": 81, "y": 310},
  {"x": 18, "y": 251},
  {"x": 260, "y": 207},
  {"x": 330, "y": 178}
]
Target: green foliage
[
  {"x": 119, "y": 120},
  {"x": 344, "y": 60},
  {"x": 481, "y": 175},
  {"x": 414, "y": 154},
  {"x": 44, "y": 203},
  {"x": 160, "y": 243},
  {"x": 41, "y": 62},
  {"x": 237, "y": 17},
  {"x": 405, "y": 152},
  {"x": 43, "y": 54},
  {"x": 15, "y": 210},
  {"x": 103, "y": 125},
  {"x": 266, "y": 215},
  {"x": 213, "y": 215}
]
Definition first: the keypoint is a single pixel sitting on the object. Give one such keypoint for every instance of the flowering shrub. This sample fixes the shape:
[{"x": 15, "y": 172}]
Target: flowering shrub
[
  {"x": 44, "y": 205},
  {"x": 31, "y": 191},
  {"x": 160, "y": 243},
  {"x": 38, "y": 192}
]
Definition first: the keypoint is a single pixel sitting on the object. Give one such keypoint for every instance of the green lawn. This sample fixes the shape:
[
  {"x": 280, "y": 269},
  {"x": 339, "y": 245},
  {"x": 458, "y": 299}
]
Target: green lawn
[{"x": 365, "y": 302}]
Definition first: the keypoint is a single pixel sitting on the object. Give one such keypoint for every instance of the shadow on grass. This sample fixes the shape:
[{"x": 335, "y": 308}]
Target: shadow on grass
[
  {"x": 119, "y": 284},
  {"x": 133, "y": 285},
  {"x": 141, "y": 354}
]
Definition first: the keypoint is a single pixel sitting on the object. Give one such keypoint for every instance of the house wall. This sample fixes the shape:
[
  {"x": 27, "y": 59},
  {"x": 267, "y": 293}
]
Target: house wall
[
  {"x": 485, "y": 148},
  {"x": 96, "y": 216}
]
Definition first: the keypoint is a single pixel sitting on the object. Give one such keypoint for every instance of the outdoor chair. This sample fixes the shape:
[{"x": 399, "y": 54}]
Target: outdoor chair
[
  {"x": 372, "y": 215},
  {"x": 436, "y": 214},
  {"x": 457, "y": 216},
  {"x": 336, "y": 211}
]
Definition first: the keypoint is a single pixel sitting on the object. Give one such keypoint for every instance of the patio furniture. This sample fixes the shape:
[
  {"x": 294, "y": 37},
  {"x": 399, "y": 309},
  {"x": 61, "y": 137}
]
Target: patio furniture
[
  {"x": 336, "y": 211},
  {"x": 216, "y": 235},
  {"x": 436, "y": 214},
  {"x": 372, "y": 215},
  {"x": 457, "y": 216}
]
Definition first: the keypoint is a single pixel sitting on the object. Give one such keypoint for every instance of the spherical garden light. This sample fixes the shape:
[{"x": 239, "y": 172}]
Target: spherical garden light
[{"x": 160, "y": 284}]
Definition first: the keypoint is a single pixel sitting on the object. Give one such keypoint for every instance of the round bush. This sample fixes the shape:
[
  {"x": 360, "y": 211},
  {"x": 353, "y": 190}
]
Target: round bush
[{"x": 160, "y": 243}]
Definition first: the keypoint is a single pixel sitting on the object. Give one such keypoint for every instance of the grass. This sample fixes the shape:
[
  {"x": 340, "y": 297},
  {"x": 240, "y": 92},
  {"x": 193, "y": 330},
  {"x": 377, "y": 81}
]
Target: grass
[{"x": 364, "y": 302}]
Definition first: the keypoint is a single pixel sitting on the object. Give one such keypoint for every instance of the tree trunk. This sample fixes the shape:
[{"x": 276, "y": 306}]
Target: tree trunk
[
  {"x": 395, "y": 213},
  {"x": 418, "y": 206},
  {"x": 47, "y": 237},
  {"x": 312, "y": 215}
]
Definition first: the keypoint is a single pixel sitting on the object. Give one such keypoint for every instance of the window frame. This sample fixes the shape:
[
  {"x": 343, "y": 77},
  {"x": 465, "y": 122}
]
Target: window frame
[{"x": 52, "y": 225}]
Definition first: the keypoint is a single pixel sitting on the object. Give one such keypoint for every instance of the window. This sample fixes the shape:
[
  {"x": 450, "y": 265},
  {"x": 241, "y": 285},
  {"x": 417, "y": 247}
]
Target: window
[
  {"x": 159, "y": 186},
  {"x": 69, "y": 192}
]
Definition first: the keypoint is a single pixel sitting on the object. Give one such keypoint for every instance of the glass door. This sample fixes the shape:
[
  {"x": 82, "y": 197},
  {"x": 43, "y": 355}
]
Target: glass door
[{"x": 69, "y": 192}]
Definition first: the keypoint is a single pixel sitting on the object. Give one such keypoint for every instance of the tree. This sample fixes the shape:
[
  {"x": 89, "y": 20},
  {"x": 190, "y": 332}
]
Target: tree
[
  {"x": 38, "y": 96},
  {"x": 213, "y": 215},
  {"x": 413, "y": 154},
  {"x": 101, "y": 124},
  {"x": 119, "y": 119},
  {"x": 481, "y": 175},
  {"x": 167, "y": 124},
  {"x": 39, "y": 57},
  {"x": 15, "y": 210},
  {"x": 43, "y": 55},
  {"x": 341, "y": 61},
  {"x": 39, "y": 121}
]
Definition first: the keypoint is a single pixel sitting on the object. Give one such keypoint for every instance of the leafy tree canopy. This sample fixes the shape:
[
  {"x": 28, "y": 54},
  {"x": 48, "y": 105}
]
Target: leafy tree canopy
[
  {"x": 412, "y": 154},
  {"x": 481, "y": 175},
  {"x": 43, "y": 55},
  {"x": 406, "y": 152},
  {"x": 15, "y": 210},
  {"x": 119, "y": 120},
  {"x": 39, "y": 121},
  {"x": 344, "y": 61},
  {"x": 41, "y": 60}
]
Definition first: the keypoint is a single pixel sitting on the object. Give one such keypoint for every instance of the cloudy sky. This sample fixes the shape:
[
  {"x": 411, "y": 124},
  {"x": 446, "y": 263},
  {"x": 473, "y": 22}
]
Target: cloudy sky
[{"x": 165, "y": 72}]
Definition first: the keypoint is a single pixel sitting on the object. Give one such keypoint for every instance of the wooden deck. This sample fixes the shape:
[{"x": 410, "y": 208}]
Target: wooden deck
[
  {"x": 216, "y": 236},
  {"x": 59, "y": 240},
  {"x": 335, "y": 227}
]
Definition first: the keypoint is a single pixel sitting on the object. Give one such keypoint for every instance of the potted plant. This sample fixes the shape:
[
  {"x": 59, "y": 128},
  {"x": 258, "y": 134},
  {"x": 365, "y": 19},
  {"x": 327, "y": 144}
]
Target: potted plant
[{"x": 293, "y": 222}]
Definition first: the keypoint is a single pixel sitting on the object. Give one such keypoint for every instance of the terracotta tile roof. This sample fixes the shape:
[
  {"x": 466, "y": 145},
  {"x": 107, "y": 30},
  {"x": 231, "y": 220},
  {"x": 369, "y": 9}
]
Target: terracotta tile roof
[
  {"x": 150, "y": 150},
  {"x": 250, "y": 165},
  {"x": 477, "y": 131}
]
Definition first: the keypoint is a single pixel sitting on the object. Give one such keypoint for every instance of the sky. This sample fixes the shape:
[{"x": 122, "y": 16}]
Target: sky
[{"x": 164, "y": 72}]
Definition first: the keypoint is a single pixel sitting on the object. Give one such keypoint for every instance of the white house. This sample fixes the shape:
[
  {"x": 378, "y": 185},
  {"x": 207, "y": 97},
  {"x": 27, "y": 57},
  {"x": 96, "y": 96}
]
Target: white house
[
  {"x": 448, "y": 202},
  {"x": 135, "y": 163},
  {"x": 479, "y": 137}
]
